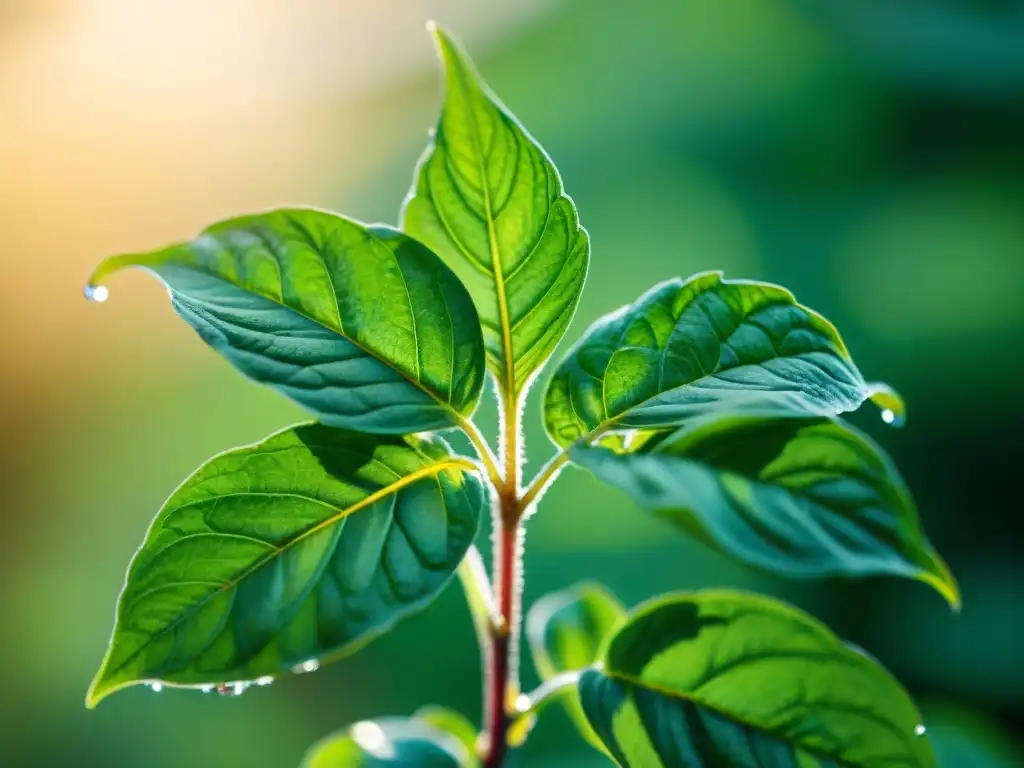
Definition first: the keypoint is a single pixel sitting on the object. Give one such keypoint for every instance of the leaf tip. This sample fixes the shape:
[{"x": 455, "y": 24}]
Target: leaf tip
[{"x": 894, "y": 410}]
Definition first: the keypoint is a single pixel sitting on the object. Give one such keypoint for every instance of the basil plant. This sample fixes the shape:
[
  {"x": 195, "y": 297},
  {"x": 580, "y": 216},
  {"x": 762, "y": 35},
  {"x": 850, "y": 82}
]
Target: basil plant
[{"x": 713, "y": 403}]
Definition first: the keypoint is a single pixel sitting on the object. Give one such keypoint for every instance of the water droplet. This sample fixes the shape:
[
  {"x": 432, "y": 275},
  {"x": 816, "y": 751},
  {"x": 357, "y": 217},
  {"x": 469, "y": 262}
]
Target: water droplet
[
  {"x": 522, "y": 703},
  {"x": 919, "y": 730},
  {"x": 232, "y": 689},
  {"x": 207, "y": 689},
  {"x": 97, "y": 293},
  {"x": 265, "y": 680},
  {"x": 310, "y": 665},
  {"x": 156, "y": 687},
  {"x": 888, "y": 416}
]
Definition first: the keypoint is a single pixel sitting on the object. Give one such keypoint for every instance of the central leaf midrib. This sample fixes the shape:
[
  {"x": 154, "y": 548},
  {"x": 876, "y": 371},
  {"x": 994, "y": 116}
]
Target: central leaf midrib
[
  {"x": 340, "y": 331},
  {"x": 682, "y": 696},
  {"x": 492, "y": 238},
  {"x": 382, "y": 493}
]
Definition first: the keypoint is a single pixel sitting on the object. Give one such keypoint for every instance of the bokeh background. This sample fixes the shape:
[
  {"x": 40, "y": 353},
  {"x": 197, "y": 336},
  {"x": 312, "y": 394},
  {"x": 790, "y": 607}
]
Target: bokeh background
[{"x": 869, "y": 154}]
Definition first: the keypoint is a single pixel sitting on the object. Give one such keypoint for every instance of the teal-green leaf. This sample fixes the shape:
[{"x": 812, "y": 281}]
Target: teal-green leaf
[
  {"x": 687, "y": 348},
  {"x": 565, "y": 631},
  {"x": 489, "y": 201},
  {"x": 803, "y": 498},
  {"x": 361, "y": 325},
  {"x": 394, "y": 742},
  {"x": 279, "y": 555},
  {"x": 730, "y": 679}
]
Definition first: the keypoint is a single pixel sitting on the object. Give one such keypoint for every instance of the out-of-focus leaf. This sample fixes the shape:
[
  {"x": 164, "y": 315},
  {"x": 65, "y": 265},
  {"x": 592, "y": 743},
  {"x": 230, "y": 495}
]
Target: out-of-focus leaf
[
  {"x": 391, "y": 741},
  {"x": 565, "y": 631},
  {"x": 361, "y": 325},
  {"x": 730, "y": 679},
  {"x": 278, "y": 555}
]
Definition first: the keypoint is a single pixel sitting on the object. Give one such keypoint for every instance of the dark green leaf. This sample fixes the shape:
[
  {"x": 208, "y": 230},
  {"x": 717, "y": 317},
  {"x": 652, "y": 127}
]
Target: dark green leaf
[
  {"x": 800, "y": 497},
  {"x": 565, "y": 631},
  {"x": 490, "y": 202},
  {"x": 279, "y": 554},
  {"x": 685, "y": 349},
  {"x": 729, "y": 679},
  {"x": 361, "y": 325},
  {"x": 391, "y": 741}
]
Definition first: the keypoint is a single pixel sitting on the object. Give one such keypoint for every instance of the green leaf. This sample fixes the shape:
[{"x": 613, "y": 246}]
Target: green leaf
[
  {"x": 801, "y": 497},
  {"x": 489, "y": 201},
  {"x": 391, "y": 741},
  {"x": 565, "y": 631},
  {"x": 276, "y": 555},
  {"x": 450, "y": 721},
  {"x": 729, "y": 679},
  {"x": 685, "y": 349},
  {"x": 361, "y": 325}
]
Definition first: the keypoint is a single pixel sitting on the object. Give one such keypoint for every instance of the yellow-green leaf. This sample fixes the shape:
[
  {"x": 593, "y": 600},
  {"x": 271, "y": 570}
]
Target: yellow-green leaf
[
  {"x": 489, "y": 201},
  {"x": 283, "y": 554}
]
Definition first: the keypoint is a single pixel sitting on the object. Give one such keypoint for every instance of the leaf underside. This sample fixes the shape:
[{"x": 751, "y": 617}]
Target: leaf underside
[
  {"x": 804, "y": 498},
  {"x": 729, "y": 679},
  {"x": 302, "y": 547},
  {"x": 687, "y": 349},
  {"x": 361, "y": 325},
  {"x": 489, "y": 201}
]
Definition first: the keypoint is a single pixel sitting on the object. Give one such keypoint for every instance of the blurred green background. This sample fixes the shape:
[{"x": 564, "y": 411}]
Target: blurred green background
[{"x": 868, "y": 154}]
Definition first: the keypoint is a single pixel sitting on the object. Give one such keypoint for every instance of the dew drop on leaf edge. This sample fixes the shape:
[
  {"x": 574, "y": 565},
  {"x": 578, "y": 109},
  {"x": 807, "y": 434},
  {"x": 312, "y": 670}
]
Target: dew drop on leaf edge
[
  {"x": 919, "y": 730},
  {"x": 96, "y": 293}
]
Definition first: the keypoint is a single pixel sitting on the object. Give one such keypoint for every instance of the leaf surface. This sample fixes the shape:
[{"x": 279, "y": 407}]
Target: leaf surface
[
  {"x": 489, "y": 201},
  {"x": 689, "y": 348},
  {"x": 565, "y": 630},
  {"x": 730, "y": 679},
  {"x": 803, "y": 498},
  {"x": 391, "y": 741},
  {"x": 282, "y": 554},
  {"x": 361, "y": 325}
]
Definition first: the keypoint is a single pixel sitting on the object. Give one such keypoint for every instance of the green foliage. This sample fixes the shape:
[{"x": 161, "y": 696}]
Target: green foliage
[
  {"x": 273, "y": 556},
  {"x": 798, "y": 496},
  {"x": 489, "y": 201},
  {"x": 725, "y": 678},
  {"x": 565, "y": 630},
  {"x": 395, "y": 741},
  {"x": 705, "y": 345},
  {"x": 363, "y": 326},
  {"x": 711, "y": 402}
]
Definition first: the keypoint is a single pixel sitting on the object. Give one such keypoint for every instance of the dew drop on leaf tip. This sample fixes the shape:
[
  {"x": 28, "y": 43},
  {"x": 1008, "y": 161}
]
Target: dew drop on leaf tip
[
  {"x": 97, "y": 293},
  {"x": 888, "y": 416}
]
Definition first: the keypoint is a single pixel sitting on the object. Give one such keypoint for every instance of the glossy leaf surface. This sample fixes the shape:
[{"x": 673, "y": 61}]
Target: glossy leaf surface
[
  {"x": 799, "y": 497},
  {"x": 361, "y": 325},
  {"x": 489, "y": 201},
  {"x": 686, "y": 349},
  {"x": 729, "y": 679},
  {"x": 566, "y": 630},
  {"x": 391, "y": 741},
  {"x": 279, "y": 554}
]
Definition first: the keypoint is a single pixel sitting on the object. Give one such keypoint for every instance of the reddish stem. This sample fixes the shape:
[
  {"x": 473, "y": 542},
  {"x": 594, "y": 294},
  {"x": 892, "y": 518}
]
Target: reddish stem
[{"x": 500, "y": 673}]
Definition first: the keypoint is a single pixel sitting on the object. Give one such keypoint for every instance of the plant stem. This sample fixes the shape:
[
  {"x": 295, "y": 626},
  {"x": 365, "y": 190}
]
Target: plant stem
[{"x": 502, "y": 666}]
